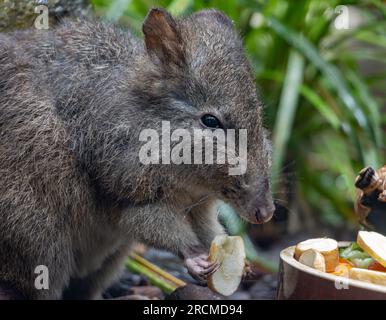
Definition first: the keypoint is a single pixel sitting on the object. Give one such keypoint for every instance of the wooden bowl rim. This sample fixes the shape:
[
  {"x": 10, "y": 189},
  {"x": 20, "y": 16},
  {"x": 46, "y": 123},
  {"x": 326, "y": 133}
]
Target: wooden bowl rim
[{"x": 287, "y": 255}]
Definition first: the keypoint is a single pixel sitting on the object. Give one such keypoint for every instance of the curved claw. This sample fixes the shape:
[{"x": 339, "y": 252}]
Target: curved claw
[
  {"x": 200, "y": 268},
  {"x": 209, "y": 271}
]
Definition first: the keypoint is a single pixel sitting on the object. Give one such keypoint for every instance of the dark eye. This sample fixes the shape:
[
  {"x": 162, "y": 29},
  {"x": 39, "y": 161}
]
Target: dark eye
[{"x": 211, "y": 121}]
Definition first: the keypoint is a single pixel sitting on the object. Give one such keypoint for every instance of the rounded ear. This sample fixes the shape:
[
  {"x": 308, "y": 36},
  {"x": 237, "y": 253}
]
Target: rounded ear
[
  {"x": 214, "y": 15},
  {"x": 162, "y": 38}
]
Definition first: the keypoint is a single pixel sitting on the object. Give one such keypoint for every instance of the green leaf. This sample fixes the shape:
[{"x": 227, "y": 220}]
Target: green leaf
[
  {"x": 330, "y": 71},
  {"x": 287, "y": 109},
  {"x": 321, "y": 106}
]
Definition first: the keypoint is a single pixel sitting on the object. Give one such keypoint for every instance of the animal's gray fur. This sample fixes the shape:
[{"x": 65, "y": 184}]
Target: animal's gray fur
[{"x": 73, "y": 195}]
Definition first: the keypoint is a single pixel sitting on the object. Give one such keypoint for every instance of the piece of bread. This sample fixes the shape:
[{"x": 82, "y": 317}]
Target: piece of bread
[
  {"x": 230, "y": 253},
  {"x": 371, "y": 276},
  {"x": 374, "y": 244},
  {"x": 313, "y": 259},
  {"x": 327, "y": 247}
]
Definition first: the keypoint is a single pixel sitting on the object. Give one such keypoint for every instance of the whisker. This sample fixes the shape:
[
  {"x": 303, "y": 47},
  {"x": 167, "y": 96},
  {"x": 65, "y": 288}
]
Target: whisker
[
  {"x": 199, "y": 201},
  {"x": 284, "y": 167}
]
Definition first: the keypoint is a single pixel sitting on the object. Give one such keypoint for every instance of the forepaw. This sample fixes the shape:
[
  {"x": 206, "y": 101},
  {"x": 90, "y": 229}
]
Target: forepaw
[
  {"x": 251, "y": 272},
  {"x": 200, "y": 268}
]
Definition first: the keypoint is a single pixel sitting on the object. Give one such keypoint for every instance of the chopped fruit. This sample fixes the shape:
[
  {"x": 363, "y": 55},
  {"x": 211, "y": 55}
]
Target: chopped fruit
[
  {"x": 374, "y": 244},
  {"x": 342, "y": 269},
  {"x": 344, "y": 261},
  {"x": 229, "y": 252},
  {"x": 377, "y": 267},
  {"x": 371, "y": 276},
  {"x": 327, "y": 247},
  {"x": 356, "y": 256},
  {"x": 313, "y": 259},
  {"x": 363, "y": 260}
]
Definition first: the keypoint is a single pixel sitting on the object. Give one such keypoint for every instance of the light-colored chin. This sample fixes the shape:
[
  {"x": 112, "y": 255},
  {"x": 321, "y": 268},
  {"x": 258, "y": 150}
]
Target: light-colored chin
[
  {"x": 249, "y": 219},
  {"x": 239, "y": 211}
]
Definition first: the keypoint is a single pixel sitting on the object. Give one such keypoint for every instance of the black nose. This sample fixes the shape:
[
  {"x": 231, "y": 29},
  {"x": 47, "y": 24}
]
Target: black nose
[{"x": 264, "y": 214}]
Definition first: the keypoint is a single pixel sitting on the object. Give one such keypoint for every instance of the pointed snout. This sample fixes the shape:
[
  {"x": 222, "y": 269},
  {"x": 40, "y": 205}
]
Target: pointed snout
[
  {"x": 254, "y": 203},
  {"x": 261, "y": 207},
  {"x": 264, "y": 213}
]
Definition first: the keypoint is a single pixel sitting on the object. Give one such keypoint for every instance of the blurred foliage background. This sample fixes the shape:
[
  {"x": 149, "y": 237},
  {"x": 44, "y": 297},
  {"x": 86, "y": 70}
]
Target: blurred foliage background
[
  {"x": 320, "y": 66},
  {"x": 321, "y": 70}
]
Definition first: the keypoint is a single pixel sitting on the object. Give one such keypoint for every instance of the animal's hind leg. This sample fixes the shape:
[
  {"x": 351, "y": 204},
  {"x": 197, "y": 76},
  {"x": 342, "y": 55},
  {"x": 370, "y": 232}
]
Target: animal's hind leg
[
  {"x": 92, "y": 286},
  {"x": 8, "y": 292}
]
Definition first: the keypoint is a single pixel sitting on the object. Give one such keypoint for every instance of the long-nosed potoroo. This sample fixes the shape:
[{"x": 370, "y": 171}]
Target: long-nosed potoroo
[{"x": 85, "y": 166}]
